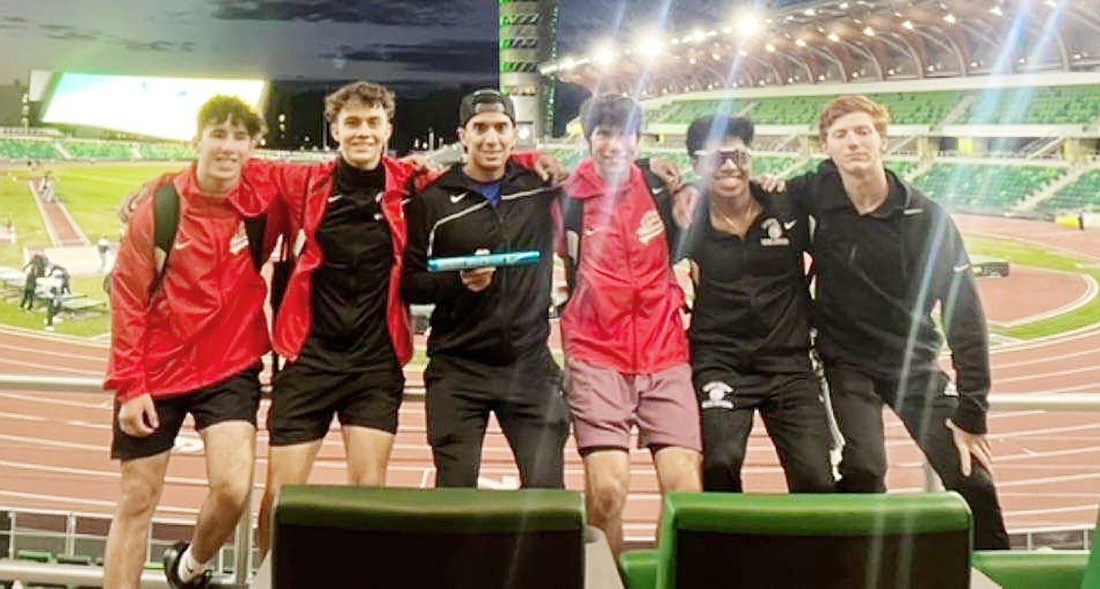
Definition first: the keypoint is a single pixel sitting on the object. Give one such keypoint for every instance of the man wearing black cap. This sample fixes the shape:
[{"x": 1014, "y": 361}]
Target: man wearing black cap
[{"x": 488, "y": 340}]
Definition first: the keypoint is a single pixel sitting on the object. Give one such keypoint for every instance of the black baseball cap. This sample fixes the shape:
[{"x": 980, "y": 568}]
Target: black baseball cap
[{"x": 485, "y": 100}]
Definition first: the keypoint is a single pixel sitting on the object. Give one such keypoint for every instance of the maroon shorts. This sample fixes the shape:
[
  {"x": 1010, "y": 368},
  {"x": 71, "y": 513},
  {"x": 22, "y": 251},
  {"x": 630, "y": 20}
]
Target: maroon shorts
[{"x": 606, "y": 403}]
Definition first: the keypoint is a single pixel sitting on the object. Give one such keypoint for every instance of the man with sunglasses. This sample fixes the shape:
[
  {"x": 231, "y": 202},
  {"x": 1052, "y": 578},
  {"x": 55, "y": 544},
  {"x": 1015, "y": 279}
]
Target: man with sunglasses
[{"x": 750, "y": 326}]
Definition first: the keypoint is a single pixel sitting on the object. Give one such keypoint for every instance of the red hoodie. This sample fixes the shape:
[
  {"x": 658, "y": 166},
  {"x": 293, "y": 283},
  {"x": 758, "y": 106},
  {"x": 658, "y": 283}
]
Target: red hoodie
[
  {"x": 206, "y": 322},
  {"x": 625, "y": 309}
]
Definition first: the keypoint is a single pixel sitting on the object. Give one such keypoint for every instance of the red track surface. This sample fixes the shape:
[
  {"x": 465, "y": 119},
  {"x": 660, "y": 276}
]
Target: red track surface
[{"x": 53, "y": 447}]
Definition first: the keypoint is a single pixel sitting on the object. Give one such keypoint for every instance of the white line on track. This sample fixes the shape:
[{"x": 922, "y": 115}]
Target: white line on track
[
  {"x": 45, "y": 352},
  {"x": 47, "y": 368},
  {"x": 50, "y": 401}
]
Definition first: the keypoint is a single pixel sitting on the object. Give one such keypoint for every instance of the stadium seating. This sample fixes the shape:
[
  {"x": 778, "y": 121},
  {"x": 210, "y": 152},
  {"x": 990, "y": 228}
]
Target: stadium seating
[
  {"x": 869, "y": 541},
  {"x": 99, "y": 150},
  {"x": 683, "y": 112},
  {"x": 165, "y": 151},
  {"x": 985, "y": 185},
  {"x": 1081, "y": 194},
  {"x": 333, "y": 536},
  {"x": 23, "y": 149},
  {"x": 793, "y": 110},
  {"x": 1060, "y": 105}
]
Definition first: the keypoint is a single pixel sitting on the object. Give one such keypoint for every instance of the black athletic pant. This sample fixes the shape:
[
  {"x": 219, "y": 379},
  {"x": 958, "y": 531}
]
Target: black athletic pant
[
  {"x": 526, "y": 398},
  {"x": 28, "y": 299},
  {"x": 924, "y": 403},
  {"x": 793, "y": 414}
]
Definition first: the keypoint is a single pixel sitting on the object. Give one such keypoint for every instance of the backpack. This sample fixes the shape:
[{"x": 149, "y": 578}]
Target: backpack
[
  {"x": 573, "y": 222},
  {"x": 166, "y": 220}
]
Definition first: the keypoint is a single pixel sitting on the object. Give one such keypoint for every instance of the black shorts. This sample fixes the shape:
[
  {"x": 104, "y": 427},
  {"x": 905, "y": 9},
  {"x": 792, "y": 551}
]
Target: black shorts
[
  {"x": 236, "y": 399},
  {"x": 305, "y": 399}
]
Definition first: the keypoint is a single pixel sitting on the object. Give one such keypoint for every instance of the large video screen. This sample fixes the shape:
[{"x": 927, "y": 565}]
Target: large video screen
[{"x": 155, "y": 107}]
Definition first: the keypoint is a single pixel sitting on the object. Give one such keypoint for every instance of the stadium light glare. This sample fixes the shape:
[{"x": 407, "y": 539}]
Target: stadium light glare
[
  {"x": 843, "y": 6},
  {"x": 650, "y": 45},
  {"x": 698, "y": 35},
  {"x": 800, "y": 42},
  {"x": 835, "y": 38},
  {"x": 567, "y": 64},
  {"x": 867, "y": 30},
  {"x": 770, "y": 48},
  {"x": 996, "y": 11},
  {"x": 604, "y": 54},
  {"x": 747, "y": 26},
  {"x": 809, "y": 12},
  {"x": 907, "y": 25},
  {"x": 950, "y": 19}
]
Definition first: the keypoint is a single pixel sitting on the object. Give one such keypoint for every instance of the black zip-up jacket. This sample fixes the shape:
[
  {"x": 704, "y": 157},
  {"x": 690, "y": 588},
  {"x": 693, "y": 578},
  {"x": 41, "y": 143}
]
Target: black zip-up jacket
[
  {"x": 879, "y": 276},
  {"x": 452, "y": 218},
  {"x": 752, "y": 306}
]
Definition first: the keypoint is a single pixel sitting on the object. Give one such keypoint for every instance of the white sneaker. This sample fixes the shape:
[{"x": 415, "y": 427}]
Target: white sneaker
[{"x": 49, "y": 328}]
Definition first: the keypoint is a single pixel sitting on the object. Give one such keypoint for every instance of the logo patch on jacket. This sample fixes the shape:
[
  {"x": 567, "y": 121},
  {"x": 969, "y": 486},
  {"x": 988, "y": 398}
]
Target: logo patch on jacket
[
  {"x": 650, "y": 227},
  {"x": 239, "y": 243},
  {"x": 774, "y": 233}
]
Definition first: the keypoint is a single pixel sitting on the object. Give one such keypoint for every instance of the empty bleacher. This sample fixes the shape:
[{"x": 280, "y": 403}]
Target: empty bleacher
[
  {"x": 164, "y": 151},
  {"x": 99, "y": 150},
  {"x": 1081, "y": 194},
  {"x": 23, "y": 149},
  {"x": 1065, "y": 105},
  {"x": 985, "y": 186}
]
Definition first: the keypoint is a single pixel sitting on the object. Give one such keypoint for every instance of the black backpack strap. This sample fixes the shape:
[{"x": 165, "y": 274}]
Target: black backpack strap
[
  {"x": 663, "y": 198},
  {"x": 254, "y": 228},
  {"x": 166, "y": 219},
  {"x": 572, "y": 212}
]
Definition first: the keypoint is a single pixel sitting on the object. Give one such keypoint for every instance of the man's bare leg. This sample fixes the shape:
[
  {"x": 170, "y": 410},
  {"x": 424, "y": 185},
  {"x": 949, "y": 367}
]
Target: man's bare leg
[
  {"x": 230, "y": 460},
  {"x": 606, "y": 483},
  {"x": 368, "y": 453},
  {"x": 286, "y": 465},
  {"x": 127, "y": 541}
]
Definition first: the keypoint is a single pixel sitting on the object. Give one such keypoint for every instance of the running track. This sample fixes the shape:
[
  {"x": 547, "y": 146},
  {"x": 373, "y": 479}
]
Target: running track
[{"x": 53, "y": 446}]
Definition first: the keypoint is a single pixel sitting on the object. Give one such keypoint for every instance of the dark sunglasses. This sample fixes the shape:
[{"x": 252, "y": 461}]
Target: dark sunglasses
[{"x": 740, "y": 157}]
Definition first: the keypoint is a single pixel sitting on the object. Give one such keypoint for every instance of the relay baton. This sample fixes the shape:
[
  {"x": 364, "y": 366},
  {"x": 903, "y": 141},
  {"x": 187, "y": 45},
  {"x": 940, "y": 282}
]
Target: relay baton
[{"x": 521, "y": 258}]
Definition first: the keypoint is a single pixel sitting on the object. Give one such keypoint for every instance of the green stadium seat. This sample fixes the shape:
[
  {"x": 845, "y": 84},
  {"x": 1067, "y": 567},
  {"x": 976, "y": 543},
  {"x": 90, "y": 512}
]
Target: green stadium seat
[
  {"x": 639, "y": 568},
  {"x": 81, "y": 559},
  {"x": 1033, "y": 570},
  {"x": 34, "y": 555},
  {"x": 823, "y": 541},
  {"x": 337, "y": 536}
]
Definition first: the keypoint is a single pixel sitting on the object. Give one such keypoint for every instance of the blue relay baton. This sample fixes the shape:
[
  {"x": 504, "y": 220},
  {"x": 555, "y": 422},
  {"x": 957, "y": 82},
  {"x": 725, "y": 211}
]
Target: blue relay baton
[{"x": 521, "y": 258}]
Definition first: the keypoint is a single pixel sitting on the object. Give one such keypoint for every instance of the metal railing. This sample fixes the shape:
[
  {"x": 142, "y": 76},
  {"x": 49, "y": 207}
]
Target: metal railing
[{"x": 63, "y": 574}]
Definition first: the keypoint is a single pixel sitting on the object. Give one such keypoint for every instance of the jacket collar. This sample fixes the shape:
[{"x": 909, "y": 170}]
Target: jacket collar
[
  {"x": 584, "y": 182},
  {"x": 455, "y": 180}
]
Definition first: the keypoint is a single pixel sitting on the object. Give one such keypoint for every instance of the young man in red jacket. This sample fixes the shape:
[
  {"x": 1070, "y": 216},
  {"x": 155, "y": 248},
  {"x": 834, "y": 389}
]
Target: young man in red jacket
[
  {"x": 188, "y": 333},
  {"x": 625, "y": 346},
  {"x": 343, "y": 327}
]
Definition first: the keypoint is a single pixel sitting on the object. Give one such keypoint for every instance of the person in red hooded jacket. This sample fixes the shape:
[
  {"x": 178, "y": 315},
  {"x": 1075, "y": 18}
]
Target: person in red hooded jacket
[
  {"x": 188, "y": 333},
  {"x": 625, "y": 345},
  {"x": 342, "y": 326}
]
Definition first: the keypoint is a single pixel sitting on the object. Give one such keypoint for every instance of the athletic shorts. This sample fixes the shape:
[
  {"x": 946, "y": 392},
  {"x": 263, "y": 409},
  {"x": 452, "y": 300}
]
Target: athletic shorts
[
  {"x": 236, "y": 399},
  {"x": 606, "y": 404},
  {"x": 305, "y": 399}
]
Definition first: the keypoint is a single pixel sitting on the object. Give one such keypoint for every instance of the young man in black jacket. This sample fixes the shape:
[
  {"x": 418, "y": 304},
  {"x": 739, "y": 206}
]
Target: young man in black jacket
[
  {"x": 488, "y": 340},
  {"x": 750, "y": 324},
  {"x": 885, "y": 256}
]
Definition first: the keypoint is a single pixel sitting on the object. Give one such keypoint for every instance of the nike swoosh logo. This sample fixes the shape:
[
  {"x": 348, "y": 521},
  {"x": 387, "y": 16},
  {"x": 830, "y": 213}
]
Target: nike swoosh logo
[
  {"x": 181, "y": 244},
  {"x": 961, "y": 268},
  {"x": 458, "y": 197},
  {"x": 335, "y": 197},
  {"x": 658, "y": 191},
  {"x": 790, "y": 224}
]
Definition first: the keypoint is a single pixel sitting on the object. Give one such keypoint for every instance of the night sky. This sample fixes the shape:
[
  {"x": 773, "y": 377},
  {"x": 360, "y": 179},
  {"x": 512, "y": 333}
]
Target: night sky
[{"x": 429, "y": 51}]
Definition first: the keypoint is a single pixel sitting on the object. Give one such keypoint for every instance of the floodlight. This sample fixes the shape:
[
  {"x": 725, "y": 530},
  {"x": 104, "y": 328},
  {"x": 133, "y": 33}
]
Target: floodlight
[
  {"x": 747, "y": 26},
  {"x": 604, "y": 55}
]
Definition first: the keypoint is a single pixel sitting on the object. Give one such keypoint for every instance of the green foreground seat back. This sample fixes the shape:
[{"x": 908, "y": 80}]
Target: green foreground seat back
[
  {"x": 821, "y": 541},
  {"x": 1092, "y": 574},
  {"x": 1017, "y": 569},
  {"x": 326, "y": 536}
]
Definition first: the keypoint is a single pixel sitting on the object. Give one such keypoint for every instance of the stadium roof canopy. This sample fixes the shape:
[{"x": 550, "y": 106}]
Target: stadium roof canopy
[{"x": 838, "y": 41}]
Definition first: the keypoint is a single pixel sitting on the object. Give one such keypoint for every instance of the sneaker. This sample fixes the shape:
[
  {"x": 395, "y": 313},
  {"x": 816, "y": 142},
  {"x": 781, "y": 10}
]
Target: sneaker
[
  {"x": 49, "y": 328},
  {"x": 172, "y": 569}
]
